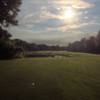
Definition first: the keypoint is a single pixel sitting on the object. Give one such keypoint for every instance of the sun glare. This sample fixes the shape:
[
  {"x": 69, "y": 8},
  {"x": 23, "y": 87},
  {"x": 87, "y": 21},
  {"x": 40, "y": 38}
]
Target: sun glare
[{"x": 69, "y": 13}]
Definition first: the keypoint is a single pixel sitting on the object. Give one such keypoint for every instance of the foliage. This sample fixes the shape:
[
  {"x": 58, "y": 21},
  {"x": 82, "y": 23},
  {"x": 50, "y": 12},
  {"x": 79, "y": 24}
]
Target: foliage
[
  {"x": 90, "y": 45},
  {"x": 8, "y": 12}
]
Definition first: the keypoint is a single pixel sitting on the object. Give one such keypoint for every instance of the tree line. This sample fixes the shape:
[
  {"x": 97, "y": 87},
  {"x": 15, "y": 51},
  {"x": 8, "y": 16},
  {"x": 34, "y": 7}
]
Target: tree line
[{"x": 90, "y": 45}]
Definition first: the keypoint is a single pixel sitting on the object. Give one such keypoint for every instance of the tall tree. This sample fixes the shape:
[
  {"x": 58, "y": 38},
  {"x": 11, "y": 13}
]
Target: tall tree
[{"x": 8, "y": 12}]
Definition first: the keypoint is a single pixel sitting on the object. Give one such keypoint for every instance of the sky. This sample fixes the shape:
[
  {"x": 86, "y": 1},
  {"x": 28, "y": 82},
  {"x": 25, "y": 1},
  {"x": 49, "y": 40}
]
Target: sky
[{"x": 56, "y": 22}]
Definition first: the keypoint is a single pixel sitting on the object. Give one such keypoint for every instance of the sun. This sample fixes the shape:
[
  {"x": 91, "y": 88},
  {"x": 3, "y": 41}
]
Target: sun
[{"x": 69, "y": 13}]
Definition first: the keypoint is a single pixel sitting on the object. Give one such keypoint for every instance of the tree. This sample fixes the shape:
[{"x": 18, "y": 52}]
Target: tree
[
  {"x": 98, "y": 40},
  {"x": 92, "y": 44},
  {"x": 8, "y": 12}
]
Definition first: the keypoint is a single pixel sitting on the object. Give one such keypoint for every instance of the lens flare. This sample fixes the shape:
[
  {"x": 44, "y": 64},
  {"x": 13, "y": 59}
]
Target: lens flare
[{"x": 69, "y": 13}]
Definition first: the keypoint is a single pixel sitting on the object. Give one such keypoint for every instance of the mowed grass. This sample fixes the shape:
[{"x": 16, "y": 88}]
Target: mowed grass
[{"x": 70, "y": 76}]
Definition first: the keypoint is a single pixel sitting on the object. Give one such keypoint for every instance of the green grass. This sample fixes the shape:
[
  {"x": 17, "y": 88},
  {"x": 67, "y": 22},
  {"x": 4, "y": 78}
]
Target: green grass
[{"x": 74, "y": 76}]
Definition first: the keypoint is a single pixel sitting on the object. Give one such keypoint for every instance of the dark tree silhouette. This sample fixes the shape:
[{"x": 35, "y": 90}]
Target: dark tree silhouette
[
  {"x": 90, "y": 45},
  {"x": 8, "y": 12}
]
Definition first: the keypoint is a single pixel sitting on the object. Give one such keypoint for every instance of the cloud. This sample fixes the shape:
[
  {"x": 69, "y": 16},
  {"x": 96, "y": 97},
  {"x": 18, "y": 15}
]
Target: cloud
[
  {"x": 67, "y": 27},
  {"x": 42, "y": 10},
  {"x": 78, "y": 4},
  {"x": 42, "y": 20}
]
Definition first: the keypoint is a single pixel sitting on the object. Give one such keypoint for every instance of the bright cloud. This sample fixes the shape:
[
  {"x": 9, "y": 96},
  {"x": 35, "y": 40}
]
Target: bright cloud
[{"x": 78, "y": 4}]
